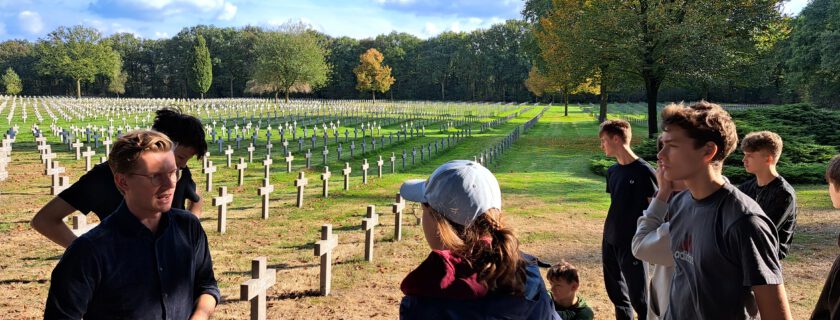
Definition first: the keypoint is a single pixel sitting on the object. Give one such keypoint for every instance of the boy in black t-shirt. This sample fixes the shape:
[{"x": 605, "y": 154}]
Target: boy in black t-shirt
[
  {"x": 631, "y": 183},
  {"x": 775, "y": 196},
  {"x": 724, "y": 247},
  {"x": 95, "y": 191},
  {"x": 828, "y": 304}
]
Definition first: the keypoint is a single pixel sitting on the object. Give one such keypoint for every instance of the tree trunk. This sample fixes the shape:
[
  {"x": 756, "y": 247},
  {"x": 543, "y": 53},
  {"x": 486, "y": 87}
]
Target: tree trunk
[
  {"x": 566, "y": 102},
  {"x": 442, "y": 92},
  {"x": 287, "y": 95},
  {"x": 231, "y": 87},
  {"x": 78, "y": 88},
  {"x": 602, "y": 114},
  {"x": 373, "y": 94},
  {"x": 652, "y": 90},
  {"x": 202, "y": 96}
]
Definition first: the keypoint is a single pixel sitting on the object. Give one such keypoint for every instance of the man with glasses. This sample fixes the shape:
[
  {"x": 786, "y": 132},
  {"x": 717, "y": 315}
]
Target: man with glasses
[
  {"x": 146, "y": 260},
  {"x": 95, "y": 191}
]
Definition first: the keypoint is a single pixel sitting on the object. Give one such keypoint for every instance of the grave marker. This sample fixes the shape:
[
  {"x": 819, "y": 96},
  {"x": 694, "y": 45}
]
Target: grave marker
[
  {"x": 222, "y": 202},
  {"x": 368, "y": 223},
  {"x": 301, "y": 182},
  {"x": 254, "y": 289},
  {"x": 323, "y": 249}
]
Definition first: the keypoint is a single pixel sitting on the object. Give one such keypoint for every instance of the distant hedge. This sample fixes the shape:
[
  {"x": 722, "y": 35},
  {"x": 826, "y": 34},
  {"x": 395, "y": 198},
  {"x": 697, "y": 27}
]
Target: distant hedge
[{"x": 811, "y": 138}]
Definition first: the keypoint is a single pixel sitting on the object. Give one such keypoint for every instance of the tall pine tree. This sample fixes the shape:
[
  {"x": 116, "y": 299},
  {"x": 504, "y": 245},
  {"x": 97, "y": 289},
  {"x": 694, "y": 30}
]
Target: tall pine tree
[{"x": 201, "y": 69}]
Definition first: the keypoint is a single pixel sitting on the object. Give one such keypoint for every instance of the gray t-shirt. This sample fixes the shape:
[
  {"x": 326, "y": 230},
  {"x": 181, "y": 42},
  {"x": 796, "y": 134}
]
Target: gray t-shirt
[{"x": 722, "y": 245}]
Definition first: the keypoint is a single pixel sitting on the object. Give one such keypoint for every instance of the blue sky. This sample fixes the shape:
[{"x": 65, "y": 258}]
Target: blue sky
[{"x": 32, "y": 19}]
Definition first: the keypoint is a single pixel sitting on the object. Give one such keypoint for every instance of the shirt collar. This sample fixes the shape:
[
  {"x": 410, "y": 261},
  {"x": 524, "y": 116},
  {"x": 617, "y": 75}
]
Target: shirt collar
[{"x": 125, "y": 221}]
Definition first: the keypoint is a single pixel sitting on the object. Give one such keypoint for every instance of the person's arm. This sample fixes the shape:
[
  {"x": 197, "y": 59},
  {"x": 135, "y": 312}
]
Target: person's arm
[
  {"x": 772, "y": 301},
  {"x": 49, "y": 221},
  {"x": 195, "y": 207},
  {"x": 204, "y": 307},
  {"x": 652, "y": 241}
]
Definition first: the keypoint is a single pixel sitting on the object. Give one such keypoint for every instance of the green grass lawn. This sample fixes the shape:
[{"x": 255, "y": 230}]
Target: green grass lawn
[{"x": 550, "y": 198}]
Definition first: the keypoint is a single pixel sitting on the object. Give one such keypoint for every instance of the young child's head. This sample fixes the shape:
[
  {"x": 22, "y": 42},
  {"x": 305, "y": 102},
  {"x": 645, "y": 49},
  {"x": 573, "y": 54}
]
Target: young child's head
[
  {"x": 761, "y": 151},
  {"x": 695, "y": 138},
  {"x": 564, "y": 281},
  {"x": 614, "y": 134},
  {"x": 462, "y": 206},
  {"x": 832, "y": 175}
]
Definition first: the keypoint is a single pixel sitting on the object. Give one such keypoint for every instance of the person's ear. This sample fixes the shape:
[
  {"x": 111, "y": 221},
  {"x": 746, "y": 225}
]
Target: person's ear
[
  {"x": 121, "y": 181},
  {"x": 710, "y": 149},
  {"x": 575, "y": 286}
]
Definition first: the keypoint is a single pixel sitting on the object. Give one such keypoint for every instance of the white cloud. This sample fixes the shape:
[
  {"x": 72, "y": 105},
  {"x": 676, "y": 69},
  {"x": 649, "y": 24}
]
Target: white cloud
[
  {"x": 228, "y": 12},
  {"x": 430, "y": 29},
  {"x": 455, "y": 27},
  {"x": 30, "y": 22},
  {"x": 161, "y": 35}
]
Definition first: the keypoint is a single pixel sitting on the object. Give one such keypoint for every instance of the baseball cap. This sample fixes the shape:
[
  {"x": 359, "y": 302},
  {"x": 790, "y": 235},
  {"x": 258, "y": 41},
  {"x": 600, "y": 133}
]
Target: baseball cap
[{"x": 460, "y": 190}]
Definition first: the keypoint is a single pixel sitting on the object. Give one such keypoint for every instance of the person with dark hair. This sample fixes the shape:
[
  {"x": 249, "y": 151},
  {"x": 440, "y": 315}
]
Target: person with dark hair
[
  {"x": 725, "y": 249},
  {"x": 631, "y": 184},
  {"x": 828, "y": 304},
  {"x": 96, "y": 192},
  {"x": 565, "y": 282},
  {"x": 146, "y": 260},
  {"x": 475, "y": 269},
  {"x": 773, "y": 193}
]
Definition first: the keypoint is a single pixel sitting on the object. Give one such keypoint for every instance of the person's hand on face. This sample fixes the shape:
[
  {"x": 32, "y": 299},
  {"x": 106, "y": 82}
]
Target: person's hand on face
[{"x": 666, "y": 186}]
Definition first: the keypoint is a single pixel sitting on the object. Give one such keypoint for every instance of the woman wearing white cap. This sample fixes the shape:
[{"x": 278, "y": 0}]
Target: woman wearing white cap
[{"x": 475, "y": 269}]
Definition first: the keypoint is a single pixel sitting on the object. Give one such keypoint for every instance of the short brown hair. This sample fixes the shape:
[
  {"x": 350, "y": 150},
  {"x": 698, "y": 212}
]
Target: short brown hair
[
  {"x": 704, "y": 122},
  {"x": 616, "y": 127},
  {"x": 130, "y": 146},
  {"x": 763, "y": 140},
  {"x": 563, "y": 270},
  {"x": 832, "y": 173}
]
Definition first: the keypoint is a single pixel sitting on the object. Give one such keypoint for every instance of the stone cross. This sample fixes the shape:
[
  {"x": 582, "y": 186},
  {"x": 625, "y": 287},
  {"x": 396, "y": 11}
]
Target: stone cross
[
  {"x": 323, "y": 249},
  {"x": 325, "y": 153},
  {"x": 370, "y": 221},
  {"x": 326, "y": 178},
  {"x": 397, "y": 208},
  {"x": 209, "y": 170},
  {"x": 107, "y": 144},
  {"x": 289, "y": 158},
  {"x": 222, "y": 202},
  {"x": 228, "y": 154},
  {"x": 78, "y": 145},
  {"x": 267, "y": 165},
  {"x": 379, "y": 164},
  {"x": 254, "y": 289},
  {"x": 346, "y": 172},
  {"x": 55, "y": 172},
  {"x": 301, "y": 182},
  {"x": 251, "y": 153},
  {"x": 241, "y": 166},
  {"x": 87, "y": 154},
  {"x": 308, "y": 158},
  {"x": 265, "y": 191},
  {"x": 393, "y": 159},
  {"x": 365, "y": 167},
  {"x": 80, "y": 225}
]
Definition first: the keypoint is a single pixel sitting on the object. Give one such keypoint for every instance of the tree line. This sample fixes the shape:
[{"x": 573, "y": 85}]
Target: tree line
[{"x": 607, "y": 50}]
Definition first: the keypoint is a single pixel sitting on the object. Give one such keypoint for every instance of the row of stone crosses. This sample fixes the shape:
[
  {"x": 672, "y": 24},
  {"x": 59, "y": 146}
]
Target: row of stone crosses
[{"x": 262, "y": 278}]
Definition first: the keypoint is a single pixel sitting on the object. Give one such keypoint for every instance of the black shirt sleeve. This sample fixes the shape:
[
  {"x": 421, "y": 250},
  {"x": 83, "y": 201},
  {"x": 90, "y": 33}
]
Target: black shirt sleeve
[
  {"x": 189, "y": 192},
  {"x": 86, "y": 194}
]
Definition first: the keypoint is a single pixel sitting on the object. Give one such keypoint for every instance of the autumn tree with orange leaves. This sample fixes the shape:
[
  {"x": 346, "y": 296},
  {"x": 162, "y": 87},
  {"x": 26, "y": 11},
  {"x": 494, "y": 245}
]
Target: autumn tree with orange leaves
[{"x": 371, "y": 75}]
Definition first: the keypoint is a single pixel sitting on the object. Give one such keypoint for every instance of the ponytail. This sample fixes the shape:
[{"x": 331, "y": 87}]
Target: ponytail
[{"x": 490, "y": 247}]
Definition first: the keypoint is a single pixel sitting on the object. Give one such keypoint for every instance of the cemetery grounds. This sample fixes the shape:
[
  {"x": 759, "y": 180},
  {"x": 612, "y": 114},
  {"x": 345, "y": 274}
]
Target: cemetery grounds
[{"x": 556, "y": 205}]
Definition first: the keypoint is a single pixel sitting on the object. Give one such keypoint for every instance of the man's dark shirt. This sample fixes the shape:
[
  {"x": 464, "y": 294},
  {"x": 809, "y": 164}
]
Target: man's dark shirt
[
  {"x": 95, "y": 191},
  {"x": 629, "y": 187},
  {"x": 121, "y": 270},
  {"x": 778, "y": 200}
]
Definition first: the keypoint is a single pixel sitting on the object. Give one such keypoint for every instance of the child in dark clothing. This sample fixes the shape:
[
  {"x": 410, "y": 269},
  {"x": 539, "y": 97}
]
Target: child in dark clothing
[
  {"x": 565, "y": 282},
  {"x": 828, "y": 305}
]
